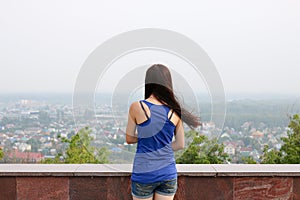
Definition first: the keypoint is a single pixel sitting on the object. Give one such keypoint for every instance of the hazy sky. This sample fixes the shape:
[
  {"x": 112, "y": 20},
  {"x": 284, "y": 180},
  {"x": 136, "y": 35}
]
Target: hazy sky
[{"x": 255, "y": 45}]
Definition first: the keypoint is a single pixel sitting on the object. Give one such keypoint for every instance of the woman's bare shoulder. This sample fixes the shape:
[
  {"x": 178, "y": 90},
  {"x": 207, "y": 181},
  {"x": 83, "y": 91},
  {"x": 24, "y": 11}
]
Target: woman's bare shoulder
[{"x": 134, "y": 106}]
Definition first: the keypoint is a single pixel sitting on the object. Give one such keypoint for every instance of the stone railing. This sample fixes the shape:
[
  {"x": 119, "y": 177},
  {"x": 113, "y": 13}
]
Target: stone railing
[{"x": 112, "y": 181}]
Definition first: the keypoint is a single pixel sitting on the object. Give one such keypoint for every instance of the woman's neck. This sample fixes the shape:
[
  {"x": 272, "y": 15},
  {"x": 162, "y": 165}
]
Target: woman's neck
[{"x": 153, "y": 99}]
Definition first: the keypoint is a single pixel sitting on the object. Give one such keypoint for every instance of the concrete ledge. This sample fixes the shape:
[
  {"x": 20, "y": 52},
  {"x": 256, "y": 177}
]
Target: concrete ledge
[
  {"x": 112, "y": 181},
  {"x": 125, "y": 170},
  {"x": 257, "y": 170}
]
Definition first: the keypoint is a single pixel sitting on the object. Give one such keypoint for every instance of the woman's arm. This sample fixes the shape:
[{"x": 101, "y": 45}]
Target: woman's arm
[
  {"x": 131, "y": 136},
  {"x": 178, "y": 143}
]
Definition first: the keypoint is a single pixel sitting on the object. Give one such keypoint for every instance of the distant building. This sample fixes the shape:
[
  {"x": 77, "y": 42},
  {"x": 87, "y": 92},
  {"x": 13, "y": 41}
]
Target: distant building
[
  {"x": 245, "y": 151},
  {"x": 257, "y": 134},
  {"x": 229, "y": 149},
  {"x": 23, "y": 157},
  {"x": 24, "y": 147}
]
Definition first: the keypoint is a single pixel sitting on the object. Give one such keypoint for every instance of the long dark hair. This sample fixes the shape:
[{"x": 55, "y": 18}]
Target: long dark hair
[{"x": 158, "y": 82}]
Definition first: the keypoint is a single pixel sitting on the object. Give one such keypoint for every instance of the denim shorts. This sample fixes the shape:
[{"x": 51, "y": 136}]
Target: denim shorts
[{"x": 146, "y": 190}]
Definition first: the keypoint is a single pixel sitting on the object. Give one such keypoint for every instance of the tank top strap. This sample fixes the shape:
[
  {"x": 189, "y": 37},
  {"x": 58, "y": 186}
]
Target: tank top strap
[
  {"x": 171, "y": 114},
  {"x": 144, "y": 109},
  {"x": 149, "y": 104}
]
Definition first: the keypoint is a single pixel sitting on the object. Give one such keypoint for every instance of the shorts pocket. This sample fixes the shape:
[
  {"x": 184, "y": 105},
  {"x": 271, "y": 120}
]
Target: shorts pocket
[
  {"x": 142, "y": 189},
  {"x": 168, "y": 187}
]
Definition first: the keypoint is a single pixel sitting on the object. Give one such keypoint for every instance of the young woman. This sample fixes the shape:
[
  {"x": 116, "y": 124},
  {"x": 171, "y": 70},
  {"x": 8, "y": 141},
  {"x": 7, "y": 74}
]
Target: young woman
[{"x": 152, "y": 123}]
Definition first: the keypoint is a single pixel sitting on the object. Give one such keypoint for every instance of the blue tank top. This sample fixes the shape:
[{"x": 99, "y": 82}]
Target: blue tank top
[{"x": 154, "y": 159}]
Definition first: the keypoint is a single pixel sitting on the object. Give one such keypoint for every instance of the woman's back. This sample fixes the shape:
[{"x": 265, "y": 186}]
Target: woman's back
[{"x": 154, "y": 160}]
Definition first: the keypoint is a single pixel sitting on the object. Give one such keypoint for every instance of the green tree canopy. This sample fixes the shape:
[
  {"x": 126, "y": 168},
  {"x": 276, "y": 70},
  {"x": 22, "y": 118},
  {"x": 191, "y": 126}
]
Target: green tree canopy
[
  {"x": 79, "y": 150},
  {"x": 291, "y": 148},
  {"x": 248, "y": 160},
  {"x": 289, "y": 152},
  {"x": 1, "y": 154},
  {"x": 270, "y": 156},
  {"x": 203, "y": 150}
]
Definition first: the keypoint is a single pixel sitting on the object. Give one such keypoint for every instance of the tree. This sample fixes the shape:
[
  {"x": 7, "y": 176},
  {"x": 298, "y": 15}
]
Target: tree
[
  {"x": 291, "y": 148},
  {"x": 203, "y": 151},
  {"x": 248, "y": 160},
  {"x": 270, "y": 156},
  {"x": 35, "y": 144},
  {"x": 1, "y": 154},
  {"x": 79, "y": 150},
  {"x": 289, "y": 152}
]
